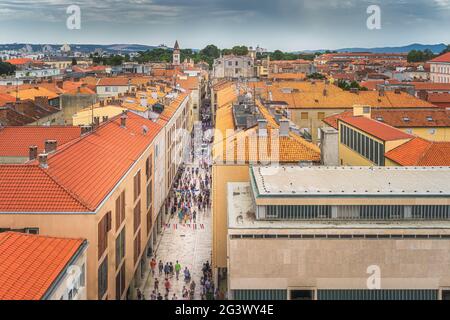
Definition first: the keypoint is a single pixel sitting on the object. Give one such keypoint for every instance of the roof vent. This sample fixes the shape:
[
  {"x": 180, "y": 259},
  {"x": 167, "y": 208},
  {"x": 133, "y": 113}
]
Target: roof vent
[
  {"x": 144, "y": 130},
  {"x": 43, "y": 161},
  {"x": 429, "y": 118},
  {"x": 406, "y": 119},
  {"x": 284, "y": 127},
  {"x": 262, "y": 127},
  {"x": 50, "y": 146},
  {"x": 123, "y": 120}
]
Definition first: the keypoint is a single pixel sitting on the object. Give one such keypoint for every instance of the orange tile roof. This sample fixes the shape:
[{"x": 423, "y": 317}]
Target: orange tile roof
[
  {"x": 6, "y": 98},
  {"x": 87, "y": 169},
  {"x": 170, "y": 110},
  {"x": 19, "y": 61},
  {"x": 114, "y": 81},
  {"x": 287, "y": 76},
  {"x": 188, "y": 83},
  {"x": 28, "y": 188},
  {"x": 397, "y": 118},
  {"x": 443, "y": 58},
  {"x": 420, "y": 152},
  {"x": 304, "y": 94},
  {"x": 439, "y": 97},
  {"x": 377, "y": 129},
  {"x": 431, "y": 86},
  {"x": 30, "y": 264},
  {"x": 291, "y": 149},
  {"x": 32, "y": 93},
  {"x": 15, "y": 141}
]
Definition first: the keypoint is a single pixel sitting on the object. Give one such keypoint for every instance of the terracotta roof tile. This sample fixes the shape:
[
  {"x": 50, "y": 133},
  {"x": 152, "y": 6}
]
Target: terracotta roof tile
[
  {"x": 420, "y": 152},
  {"x": 443, "y": 58},
  {"x": 81, "y": 173},
  {"x": 401, "y": 118},
  {"x": 30, "y": 264},
  {"x": 15, "y": 141},
  {"x": 375, "y": 128}
]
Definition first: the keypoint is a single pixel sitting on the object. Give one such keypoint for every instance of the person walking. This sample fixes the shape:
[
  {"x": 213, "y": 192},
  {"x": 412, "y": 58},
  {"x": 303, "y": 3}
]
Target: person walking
[
  {"x": 177, "y": 269},
  {"x": 153, "y": 266},
  {"x": 194, "y": 216},
  {"x": 156, "y": 284},
  {"x": 160, "y": 267},
  {"x": 167, "y": 285}
]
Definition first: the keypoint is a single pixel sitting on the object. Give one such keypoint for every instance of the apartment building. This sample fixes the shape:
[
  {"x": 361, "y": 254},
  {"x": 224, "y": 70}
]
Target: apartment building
[
  {"x": 99, "y": 187},
  {"x": 440, "y": 68},
  {"x": 307, "y": 103},
  {"x": 429, "y": 124},
  {"x": 304, "y": 233},
  {"x": 363, "y": 141}
]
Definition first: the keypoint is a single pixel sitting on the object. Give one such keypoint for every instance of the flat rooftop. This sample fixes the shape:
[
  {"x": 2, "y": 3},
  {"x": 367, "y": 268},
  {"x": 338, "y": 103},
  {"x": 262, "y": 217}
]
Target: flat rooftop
[
  {"x": 297, "y": 181},
  {"x": 241, "y": 211}
]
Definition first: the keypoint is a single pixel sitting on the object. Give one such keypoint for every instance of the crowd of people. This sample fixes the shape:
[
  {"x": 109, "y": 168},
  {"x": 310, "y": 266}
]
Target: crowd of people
[{"x": 189, "y": 199}]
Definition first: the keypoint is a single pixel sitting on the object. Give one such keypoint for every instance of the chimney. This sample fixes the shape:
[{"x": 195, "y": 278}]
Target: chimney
[
  {"x": 144, "y": 101},
  {"x": 381, "y": 92},
  {"x": 278, "y": 117},
  {"x": 86, "y": 129},
  {"x": 123, "y": 120},
  {"x": 43, "y": 161},
  {"x": 33, "y": 152},
  {"x": 50, "y": 146},
  {"x": 284, "y": 127},
  {"x": 262, "y": 127},
  {"x": 362, "y": 110}
]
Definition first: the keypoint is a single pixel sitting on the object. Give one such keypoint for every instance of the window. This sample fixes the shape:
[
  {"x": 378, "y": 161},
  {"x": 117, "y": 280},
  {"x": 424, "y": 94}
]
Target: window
[
  {"x": 103, "y": 278},
  {"x": 149, "y": 221},
  {"x": 301, "y": 295},
  {"x": 120, "y": 210},
  {"x": 120, "y": 282},
  {"x": 445, "y": 295},
  {"x": 137, "y": 185},
  {"x": 149, "y": 195},
  {"x": 149, "y": 167},
  {"x": 320, "y": 115},
  {"x": 103, "y": 227},
  {"x": 137, "y": 247},
  {"x": 120, "y": 247},
  {"x": 304, "y": 115},
  {"x": 137, "y": 216}
]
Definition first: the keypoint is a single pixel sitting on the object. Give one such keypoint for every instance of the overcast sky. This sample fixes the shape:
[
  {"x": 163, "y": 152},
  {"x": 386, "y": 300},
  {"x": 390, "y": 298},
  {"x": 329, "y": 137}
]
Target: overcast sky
[{"x": 274, "y": 24}]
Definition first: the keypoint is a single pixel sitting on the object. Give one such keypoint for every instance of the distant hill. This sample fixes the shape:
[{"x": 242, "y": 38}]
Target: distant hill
[
  {"x": 436, "y": 48},
  {"x": 111, "y": 48}
]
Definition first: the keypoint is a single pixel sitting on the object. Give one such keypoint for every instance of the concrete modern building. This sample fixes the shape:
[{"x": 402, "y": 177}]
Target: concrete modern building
[{"x": 352, "y": 233}]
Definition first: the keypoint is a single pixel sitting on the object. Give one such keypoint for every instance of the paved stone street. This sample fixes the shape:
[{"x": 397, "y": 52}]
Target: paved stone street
[{"x": 190, "y": 244}]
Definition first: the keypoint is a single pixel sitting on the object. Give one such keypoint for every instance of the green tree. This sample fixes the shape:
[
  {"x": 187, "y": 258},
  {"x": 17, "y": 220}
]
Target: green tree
[
  {"x": 6, "y": 68},
  {"x": 240, "y": 50},
  {"x": 210, "y": 51}
]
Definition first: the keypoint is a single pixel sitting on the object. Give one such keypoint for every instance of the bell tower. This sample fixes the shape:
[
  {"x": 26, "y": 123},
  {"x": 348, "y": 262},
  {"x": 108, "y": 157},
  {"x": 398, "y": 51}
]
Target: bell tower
[{"x": 176, "y": 54}]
